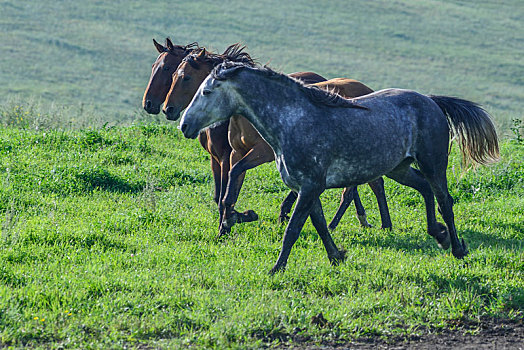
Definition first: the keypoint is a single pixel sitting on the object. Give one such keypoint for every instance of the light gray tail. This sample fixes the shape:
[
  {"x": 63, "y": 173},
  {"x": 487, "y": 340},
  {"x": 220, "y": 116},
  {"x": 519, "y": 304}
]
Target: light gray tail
[{"x": 473, "y": 128}]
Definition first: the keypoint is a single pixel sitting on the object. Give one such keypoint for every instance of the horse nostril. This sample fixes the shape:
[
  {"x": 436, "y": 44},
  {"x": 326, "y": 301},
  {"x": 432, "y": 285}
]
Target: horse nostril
[
  {"x": 183, "y": 127},
  {"x": 148, "y": 104},
  {"x": 170, "y": 110}
]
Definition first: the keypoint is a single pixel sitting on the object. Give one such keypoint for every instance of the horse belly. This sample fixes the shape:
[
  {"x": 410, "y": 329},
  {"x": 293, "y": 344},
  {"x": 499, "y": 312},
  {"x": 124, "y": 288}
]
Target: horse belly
[{"x": 344, "y": 173}]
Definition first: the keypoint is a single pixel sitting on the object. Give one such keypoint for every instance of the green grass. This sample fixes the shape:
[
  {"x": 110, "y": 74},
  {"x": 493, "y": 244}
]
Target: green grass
[
  {"x": 96, "y": 56},
  {"x": 108, "y": 241},
  {"x": 107, "y": 234}
]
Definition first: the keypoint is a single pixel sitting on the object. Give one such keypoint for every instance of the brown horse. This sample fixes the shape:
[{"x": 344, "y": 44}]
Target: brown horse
[
  {"x": 159, "y": 84},
  {"x": 162, "y": 73},
  {"x": 249, "y": 148},
  {"x": 214, "y": 140}
]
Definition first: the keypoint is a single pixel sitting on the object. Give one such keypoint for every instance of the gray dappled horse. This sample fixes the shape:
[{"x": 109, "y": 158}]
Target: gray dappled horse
[{"x": 322, "y": 140}]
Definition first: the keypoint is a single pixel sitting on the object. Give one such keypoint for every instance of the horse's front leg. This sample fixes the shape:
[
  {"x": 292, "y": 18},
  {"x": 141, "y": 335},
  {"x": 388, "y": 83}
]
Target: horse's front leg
[
  {"x": 319, "y": 221},
  {"x": 377, "y": 187},
  {"x": 255, "y": 157},
  {"x": 224, "y": 177},
  {"x": 217, "y": 177},
  {"x": 306, "y": 200}
]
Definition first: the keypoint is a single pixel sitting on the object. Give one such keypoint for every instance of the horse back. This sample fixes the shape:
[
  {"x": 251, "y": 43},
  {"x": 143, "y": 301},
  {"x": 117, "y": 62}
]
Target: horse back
[{"x": 348, "y": 88}]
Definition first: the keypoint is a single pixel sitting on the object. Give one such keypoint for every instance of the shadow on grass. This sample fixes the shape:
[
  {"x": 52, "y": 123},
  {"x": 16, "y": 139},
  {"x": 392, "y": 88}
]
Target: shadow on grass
[
  {"x": 476, "y": 239},
  {"x": 104, "y": 180},
  {"x": 426, "y": 243}
]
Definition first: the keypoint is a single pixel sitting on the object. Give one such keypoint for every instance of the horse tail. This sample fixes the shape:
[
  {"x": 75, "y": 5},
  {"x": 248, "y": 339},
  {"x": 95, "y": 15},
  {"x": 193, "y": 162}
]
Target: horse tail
[{"x": 472, "y": 126}]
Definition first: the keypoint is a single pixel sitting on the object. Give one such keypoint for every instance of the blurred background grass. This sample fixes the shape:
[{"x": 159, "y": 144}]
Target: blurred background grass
[{"x": 93, "y": 58}]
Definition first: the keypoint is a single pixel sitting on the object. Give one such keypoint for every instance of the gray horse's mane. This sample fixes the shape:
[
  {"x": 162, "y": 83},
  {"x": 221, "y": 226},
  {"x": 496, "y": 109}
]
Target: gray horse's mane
[{"x": 317, "y": 95}]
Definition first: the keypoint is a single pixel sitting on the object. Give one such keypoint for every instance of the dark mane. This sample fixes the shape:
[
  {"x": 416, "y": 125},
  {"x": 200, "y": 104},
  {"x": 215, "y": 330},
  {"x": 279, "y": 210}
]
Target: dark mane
[
  {"x": 317, "y": 95},
  {"x": 234, "y": 53}
]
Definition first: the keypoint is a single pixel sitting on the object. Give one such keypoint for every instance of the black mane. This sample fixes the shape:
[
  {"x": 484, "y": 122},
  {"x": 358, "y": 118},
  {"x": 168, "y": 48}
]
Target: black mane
[
  {"x": 317, "y": 95},
  {"x": 234, "y": 53},
  {"x": 186, "y": 48}
]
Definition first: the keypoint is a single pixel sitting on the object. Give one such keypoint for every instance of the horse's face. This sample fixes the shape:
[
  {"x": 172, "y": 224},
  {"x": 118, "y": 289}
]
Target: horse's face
[
  {"x": 186, "y": 80},
  {"x": 161, "y": 76},
  {"x": 214, "y": 101}
]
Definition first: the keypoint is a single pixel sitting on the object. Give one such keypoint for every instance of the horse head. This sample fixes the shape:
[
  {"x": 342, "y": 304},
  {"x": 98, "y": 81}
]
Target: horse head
[{"x": 169, "y": 58}]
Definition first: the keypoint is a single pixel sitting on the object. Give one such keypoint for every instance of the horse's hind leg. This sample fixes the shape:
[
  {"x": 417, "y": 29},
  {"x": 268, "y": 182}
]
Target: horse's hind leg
[
  {"x": 437, "y": 180},
  {"x": 406, "y": 175},
  {"x": 377, "y": 187},
  {"x": 285, "y": 207},
  {"x": 361, "y": 212},
  {"x": 348, "y": 195}
]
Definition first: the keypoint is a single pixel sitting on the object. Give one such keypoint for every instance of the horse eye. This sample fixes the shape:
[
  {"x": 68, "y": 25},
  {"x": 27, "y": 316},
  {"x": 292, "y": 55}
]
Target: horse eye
[
  {"x": 206, "y": 92},
  {"x": 187, "y": 77}
]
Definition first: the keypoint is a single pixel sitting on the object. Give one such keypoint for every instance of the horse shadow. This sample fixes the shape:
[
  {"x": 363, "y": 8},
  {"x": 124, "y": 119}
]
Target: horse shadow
[{"x": 406, "y": 243}]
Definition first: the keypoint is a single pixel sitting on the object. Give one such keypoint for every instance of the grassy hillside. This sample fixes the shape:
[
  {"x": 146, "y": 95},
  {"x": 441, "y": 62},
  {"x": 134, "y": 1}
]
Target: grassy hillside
[
  {"x": 111, "y": 245},
  {"x": 95, "y": 57}
]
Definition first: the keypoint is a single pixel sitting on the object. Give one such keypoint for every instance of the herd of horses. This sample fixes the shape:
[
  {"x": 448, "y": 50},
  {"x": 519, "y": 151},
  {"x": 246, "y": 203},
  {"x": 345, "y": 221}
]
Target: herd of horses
[{"x": 335, "y": 133}]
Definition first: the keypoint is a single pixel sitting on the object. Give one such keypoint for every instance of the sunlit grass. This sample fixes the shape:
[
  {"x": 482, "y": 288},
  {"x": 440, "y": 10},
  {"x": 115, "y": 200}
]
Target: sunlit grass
[{"x": 108, "y": 240}]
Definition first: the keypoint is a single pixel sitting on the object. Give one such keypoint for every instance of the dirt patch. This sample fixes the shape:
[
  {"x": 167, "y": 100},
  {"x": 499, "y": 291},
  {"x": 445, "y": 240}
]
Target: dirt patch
[{"x": 488, "y": 334}]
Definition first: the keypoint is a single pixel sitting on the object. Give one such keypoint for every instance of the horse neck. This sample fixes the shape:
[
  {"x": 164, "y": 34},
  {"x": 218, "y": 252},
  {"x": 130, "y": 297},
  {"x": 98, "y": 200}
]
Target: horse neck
[{"x": 274, "y": 115}]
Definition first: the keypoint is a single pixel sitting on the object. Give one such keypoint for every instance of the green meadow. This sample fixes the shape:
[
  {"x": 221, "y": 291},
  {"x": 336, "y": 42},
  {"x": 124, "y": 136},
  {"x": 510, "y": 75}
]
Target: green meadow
[
  {"x": 107, "y": 223},
  {"x": 108, "y": 241}
]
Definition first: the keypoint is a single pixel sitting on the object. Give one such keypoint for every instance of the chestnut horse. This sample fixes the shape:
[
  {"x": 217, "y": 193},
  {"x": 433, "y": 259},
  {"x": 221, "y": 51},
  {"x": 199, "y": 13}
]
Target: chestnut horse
[
  {"x": 249, "y": 148},
  {"x": 213, "y": 140},
  {"x": 162, "y": 72}
]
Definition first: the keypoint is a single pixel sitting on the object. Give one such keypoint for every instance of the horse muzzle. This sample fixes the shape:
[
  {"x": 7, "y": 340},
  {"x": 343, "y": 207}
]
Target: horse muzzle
[
  {"x": 189, "y": 131},
  {"x": 172, "y": 113},
  {"x": 150, "y": 107}
]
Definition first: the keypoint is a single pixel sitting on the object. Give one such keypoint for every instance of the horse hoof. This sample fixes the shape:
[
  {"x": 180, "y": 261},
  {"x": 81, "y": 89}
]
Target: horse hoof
[
  {"x": 363, "y": 221},
  {"x": 277, "y": 268},
  {"x": 339, "y": 257},
  {"x": 249, "y": 215},
  {"x": 223, "y": 233},
  {"x": 462, "y": 251},
  {"x": 441, "y": 235}
]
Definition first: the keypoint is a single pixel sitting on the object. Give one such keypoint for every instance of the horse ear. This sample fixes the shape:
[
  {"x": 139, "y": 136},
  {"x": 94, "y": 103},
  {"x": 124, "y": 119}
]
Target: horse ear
[
  {"x": 159, "y": 47},
  {"x": 202, "y": 53},
  {"x": 169, "y": 44}
]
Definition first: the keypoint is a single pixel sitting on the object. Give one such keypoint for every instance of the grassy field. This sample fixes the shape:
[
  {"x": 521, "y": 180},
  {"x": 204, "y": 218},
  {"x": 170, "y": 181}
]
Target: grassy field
[
  {"x": 94, "y": 57},
  {"x": 110, "y": 244},
  {"x": 107, "y": 224}
]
